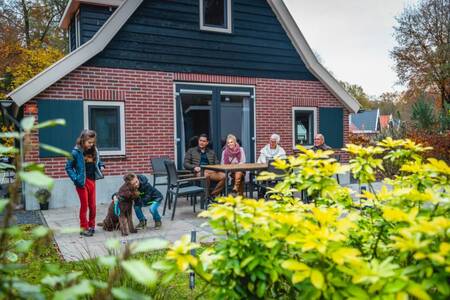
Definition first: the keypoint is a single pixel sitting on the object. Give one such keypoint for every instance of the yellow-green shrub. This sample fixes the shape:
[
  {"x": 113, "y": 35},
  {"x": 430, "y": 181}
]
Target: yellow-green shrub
[{"x": 390, "y": 244}]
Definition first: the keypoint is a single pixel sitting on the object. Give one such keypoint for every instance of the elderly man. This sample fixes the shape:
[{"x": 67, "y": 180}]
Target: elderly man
[
  {"x": 271, "y": 150},
  {"x": 202, "y": 155},
  {"x": 319, "y": 143}
]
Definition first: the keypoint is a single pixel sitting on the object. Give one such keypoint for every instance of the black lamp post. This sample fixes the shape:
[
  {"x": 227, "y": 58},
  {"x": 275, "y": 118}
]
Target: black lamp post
[{"x": 5, "y": 104}]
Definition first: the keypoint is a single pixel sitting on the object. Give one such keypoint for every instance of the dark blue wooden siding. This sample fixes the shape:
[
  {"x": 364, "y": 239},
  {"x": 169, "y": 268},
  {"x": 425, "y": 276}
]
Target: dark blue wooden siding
[
  {"x": 91, "y": 19},
  {"x": 165, "y": 36},
  {"x": 72, "y": 38}
]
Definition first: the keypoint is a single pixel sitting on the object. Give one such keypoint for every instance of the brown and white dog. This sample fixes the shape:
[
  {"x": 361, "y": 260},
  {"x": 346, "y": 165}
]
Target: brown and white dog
[{"x": 121, "y": 218}]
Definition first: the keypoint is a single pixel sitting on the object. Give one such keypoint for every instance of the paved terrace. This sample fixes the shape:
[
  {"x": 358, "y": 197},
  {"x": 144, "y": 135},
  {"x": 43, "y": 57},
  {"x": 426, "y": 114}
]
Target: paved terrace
[{"x": 75, "y": 247}]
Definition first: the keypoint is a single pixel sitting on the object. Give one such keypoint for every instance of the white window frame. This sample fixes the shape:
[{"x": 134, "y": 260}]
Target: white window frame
[
  {"x": 121, "y": 106},
  {"x": 227, "y": 29},
  {"x": 77, "y": 29},
  {"x": 295, "y": 109}
]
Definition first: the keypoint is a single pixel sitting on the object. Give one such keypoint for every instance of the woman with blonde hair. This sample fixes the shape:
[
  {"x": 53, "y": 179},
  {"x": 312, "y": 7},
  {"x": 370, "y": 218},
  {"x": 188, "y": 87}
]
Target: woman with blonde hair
[{"x": 234, "y": 154}]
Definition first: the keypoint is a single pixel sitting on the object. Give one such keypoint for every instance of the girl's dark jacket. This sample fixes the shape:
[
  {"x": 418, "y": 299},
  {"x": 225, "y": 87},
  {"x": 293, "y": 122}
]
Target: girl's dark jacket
[{"x": 76, "y": 169}]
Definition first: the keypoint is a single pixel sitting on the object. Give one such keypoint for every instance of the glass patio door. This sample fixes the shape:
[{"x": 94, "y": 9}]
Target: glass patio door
[{"x": 216, "y": 111}]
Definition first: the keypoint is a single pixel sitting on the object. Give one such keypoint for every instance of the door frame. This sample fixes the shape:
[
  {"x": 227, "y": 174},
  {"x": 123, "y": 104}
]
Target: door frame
[{"x": 216, "y": 90}]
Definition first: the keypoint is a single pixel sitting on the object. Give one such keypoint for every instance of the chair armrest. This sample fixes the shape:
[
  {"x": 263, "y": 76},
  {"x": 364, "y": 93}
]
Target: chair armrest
[
  {"x": 186, "y": 175},
  {"x": 184, "y": 172},
  {"x": 192, "y": 179}
]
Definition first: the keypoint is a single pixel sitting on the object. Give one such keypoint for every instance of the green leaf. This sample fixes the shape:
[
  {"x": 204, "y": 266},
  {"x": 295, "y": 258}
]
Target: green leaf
[
  {"x": 8, "y": 150},
  {"x": 112, "y": 244},
  {"x": 32, "y": 166},
  {"x": 7, "y": 166},
  {"x": 261, "y": 289},
  {"x": 51, "y": 123},
  {"x": 358, "y": 292},
  {"x": 108, "y": 261},
  {"x": 56, "y": 150},
  {"x": 148, "y": 245},
  {"x": 140, "y": 272},
  {"x": 37, "y": 179},
  {"x": 23, "y": 245},
  {"x": 40, "y": 231},
  {"x": 27, "y": 123},
  {"x": 162, "y": 265},
  {"x": 417, "y": 291},
  {"x": 394, "y": 287},
  {"x": 128, "y": 294},
  {"x": 84, "y": 288},
  {"x": 8, "y": 135},
  {"x": 11, "y": 256},
  {"x": 317, "y": 279},
  {"x": 3, "y": 203}
]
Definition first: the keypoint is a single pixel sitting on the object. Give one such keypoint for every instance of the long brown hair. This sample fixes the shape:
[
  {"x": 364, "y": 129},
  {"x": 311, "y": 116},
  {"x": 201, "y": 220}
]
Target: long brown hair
[{"x": 85, "y": 135}]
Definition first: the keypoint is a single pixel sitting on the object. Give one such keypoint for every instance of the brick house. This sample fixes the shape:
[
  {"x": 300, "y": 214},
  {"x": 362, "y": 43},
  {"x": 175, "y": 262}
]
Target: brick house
[{"x": 148, "y": 75}]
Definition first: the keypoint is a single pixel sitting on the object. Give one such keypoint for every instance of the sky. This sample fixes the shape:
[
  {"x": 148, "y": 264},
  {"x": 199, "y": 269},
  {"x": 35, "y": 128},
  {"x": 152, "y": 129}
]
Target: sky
[{"x": 353, "y": 38}]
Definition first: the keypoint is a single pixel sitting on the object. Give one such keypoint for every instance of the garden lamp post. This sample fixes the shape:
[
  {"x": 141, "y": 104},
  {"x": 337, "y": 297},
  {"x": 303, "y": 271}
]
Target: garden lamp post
[{"x": 5, "y": 104}]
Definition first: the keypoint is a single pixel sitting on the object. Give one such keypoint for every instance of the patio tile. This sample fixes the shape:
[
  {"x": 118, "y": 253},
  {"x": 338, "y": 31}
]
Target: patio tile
[{"x": 75, "y": 247}]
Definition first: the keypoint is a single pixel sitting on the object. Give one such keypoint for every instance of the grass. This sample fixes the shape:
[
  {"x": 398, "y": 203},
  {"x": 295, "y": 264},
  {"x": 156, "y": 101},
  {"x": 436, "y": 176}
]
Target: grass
[{"x": 44, "y": 259}]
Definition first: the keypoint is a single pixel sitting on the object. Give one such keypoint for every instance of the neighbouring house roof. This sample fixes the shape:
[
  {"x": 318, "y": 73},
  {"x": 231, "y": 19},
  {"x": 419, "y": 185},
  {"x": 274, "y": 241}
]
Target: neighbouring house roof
[
  {"x": 365, "y": 122},
  {"x": 73, "y": 6},
  {"x": 100, "y": 40},
  {"x": 384, "y": 121}
]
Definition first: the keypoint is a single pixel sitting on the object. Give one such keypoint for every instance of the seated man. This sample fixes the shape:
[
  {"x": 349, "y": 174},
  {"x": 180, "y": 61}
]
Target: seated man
[
  {"x": 272, "y": 150},
  {"x": 148, "y": 196},
  {"x": 202, "y": 155},
  {"x": 319, "y": 143}
]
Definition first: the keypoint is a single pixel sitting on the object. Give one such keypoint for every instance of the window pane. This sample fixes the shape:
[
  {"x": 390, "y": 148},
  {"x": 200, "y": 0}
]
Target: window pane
[
  {"x": 304, "y": 129},
  {"x": 214, "y": 12},
  {"x": 106, "y": 122}
]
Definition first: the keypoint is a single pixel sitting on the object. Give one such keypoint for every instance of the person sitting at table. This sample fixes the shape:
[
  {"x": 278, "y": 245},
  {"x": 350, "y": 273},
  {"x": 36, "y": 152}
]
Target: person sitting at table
[
  {"x": 234, "y": 154},
  {"x": 202, "y": 155},
  {"x": 319, "y": 143},
  {"x": 271, "y": 150}
]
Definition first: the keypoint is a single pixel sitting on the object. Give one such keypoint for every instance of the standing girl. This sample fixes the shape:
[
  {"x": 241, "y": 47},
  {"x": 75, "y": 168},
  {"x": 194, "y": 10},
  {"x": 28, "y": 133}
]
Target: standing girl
[
  {"x": 234, "y": 154},
  {"x": 83, "y": 170}
]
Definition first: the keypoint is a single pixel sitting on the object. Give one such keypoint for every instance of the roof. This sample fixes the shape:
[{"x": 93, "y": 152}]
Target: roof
[
  {"x": 73, "y": 6},
  {"x": 365, "y": 122},
  {"x": 101, "y": 39}
]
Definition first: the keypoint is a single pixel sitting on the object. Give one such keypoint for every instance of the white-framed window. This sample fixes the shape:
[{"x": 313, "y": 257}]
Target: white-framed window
[
  {"x": 77, "y": 30},
  {"x": 304, "y": 125},
  {"x": 107, "y": 118},
  {"x": 215, "y": 15}
]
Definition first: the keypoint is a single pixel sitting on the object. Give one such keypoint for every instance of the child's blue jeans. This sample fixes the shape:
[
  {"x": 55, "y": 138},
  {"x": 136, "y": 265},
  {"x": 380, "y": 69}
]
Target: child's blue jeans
[{"x": 153, "y": 210}]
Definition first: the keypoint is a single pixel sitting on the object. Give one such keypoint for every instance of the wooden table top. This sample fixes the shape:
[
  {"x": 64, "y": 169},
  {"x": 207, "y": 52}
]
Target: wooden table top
[{"x": 236, "y": 167}]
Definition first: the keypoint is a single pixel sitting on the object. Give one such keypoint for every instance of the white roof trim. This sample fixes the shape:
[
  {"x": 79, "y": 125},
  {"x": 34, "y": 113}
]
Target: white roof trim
[
  {"x": 73, "y": 6},
  {"x": 100, "y": 40},
  {"x": 305, "y": 52},
  {"x": 67, "y": 64}
]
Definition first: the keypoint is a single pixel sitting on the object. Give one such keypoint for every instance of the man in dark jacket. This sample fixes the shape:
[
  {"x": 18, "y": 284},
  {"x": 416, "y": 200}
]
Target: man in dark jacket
[
  {"x": 202, "y": 155},
  {"x": 319, "y": 143},
  {"x": 148, "y": 196}
]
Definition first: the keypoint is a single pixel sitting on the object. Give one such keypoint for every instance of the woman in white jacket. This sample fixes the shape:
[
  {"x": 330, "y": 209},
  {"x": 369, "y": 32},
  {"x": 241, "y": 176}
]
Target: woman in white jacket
[{"x": 272, "y": 150}]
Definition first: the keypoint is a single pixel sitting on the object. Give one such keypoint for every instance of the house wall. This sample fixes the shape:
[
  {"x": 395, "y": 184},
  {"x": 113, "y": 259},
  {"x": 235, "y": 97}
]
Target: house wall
[
  {"x": 165, "y": 36},
  {"x": 149, "y": 114}
]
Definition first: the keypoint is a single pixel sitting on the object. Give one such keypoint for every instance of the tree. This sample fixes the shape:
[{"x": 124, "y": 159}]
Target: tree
[
  {"x": 422, "y": 54},
  {"x": 358, "y": 93}
]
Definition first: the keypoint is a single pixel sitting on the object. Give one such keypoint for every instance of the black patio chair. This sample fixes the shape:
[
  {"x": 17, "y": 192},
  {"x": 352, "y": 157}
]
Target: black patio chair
[
  {"x": 159, "y": 170},
  {"x": 176, "y": 187},
  {"x": 263, "y": 185}
]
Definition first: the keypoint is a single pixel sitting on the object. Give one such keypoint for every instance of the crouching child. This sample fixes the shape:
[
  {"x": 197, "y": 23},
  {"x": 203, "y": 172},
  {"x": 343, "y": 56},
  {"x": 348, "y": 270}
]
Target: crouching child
[{"x": 148, "y": 196}]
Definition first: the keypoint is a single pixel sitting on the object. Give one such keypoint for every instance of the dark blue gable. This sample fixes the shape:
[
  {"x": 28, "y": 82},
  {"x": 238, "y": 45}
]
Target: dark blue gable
[
  {"x": 91, "y": 19},
  {"x": 165, "y": 36}
]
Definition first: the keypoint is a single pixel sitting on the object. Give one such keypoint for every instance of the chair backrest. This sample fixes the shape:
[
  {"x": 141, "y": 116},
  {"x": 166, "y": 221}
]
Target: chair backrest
[
  {"x": 272, "y": 169},
  {"x": 172, "y": 176},
  {"x": 157, "y": 164}
]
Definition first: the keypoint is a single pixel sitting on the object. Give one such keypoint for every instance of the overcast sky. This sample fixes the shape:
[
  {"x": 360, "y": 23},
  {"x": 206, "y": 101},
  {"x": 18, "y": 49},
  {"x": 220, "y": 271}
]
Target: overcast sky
[{"x": 353, "y": 38}]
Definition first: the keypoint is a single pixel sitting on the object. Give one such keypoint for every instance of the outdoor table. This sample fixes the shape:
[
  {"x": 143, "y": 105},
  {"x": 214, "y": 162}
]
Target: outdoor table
[{"x": 227, "y": 169}]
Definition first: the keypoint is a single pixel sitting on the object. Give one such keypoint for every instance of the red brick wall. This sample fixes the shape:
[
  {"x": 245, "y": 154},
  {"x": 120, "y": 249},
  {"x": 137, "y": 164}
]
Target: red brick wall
[{"x": 149, "y": 109}]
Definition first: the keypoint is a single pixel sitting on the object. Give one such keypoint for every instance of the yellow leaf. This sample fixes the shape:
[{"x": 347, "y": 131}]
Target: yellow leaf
[
  {"x": 418, "y": 292},
  {"x": 294, "y": 265},
  {"x": 299, "y": 276},
  {"x": 317, "y": 279},
  {"x": 401, "y": 296},
  {"x": 344, "y": 254}
]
